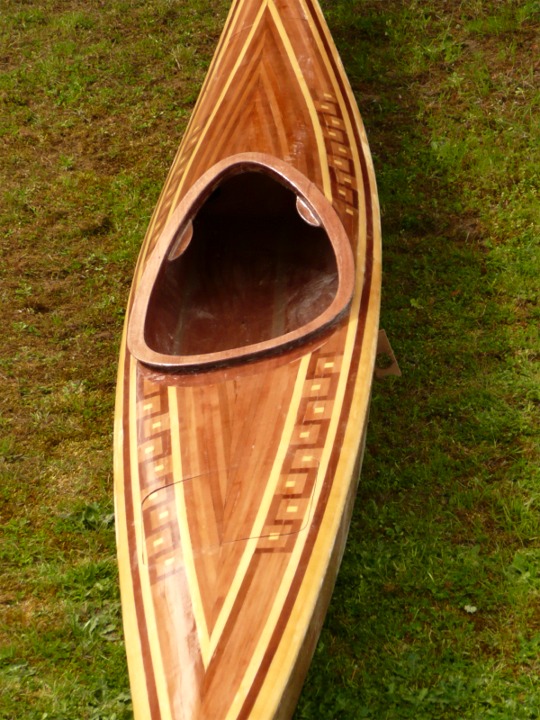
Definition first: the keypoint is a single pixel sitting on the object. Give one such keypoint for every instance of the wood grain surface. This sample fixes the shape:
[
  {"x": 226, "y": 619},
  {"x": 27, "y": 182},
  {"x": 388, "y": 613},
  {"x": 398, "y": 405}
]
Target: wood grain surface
[{"x": 234, "y": 482}]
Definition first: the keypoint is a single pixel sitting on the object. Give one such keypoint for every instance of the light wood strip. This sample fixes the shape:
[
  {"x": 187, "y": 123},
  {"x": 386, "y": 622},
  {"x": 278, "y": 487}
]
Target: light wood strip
[
  {"x": 228, "y": 30},
  {"x": 187, "y": 549},
  {"x": 336, "y": 85},
  {"x": 362, "y": 209},
  {"x": 236, "y": 113},
  {"x": 319, "y": 137},
  {"x": 219, "y": 101},
  {"x": 353, "y": 120},
  {"x": 224, "y": 39},
  {"x": 270, "y": 81}
]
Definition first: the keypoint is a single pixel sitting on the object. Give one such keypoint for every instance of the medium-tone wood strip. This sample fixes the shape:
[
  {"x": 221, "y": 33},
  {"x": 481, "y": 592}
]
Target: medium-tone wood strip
[
  {"x": 187, "y": 548},
  {"x": 237, "y": 571}
]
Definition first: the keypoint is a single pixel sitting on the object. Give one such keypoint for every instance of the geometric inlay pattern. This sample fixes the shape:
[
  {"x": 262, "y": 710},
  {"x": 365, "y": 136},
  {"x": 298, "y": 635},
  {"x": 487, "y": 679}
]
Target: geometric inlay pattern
[
  {"x": 289, "y": 511},
  {"x": 162, "y": 541},
  {"x": 340, "y": 157}
]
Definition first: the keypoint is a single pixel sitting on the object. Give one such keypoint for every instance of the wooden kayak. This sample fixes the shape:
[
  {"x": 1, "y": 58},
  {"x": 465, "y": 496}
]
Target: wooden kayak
[{"x": 244, "y": 376}]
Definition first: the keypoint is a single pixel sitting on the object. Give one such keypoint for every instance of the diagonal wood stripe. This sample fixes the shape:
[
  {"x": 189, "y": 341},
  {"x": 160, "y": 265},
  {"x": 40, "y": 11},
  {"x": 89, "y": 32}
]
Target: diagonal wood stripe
[
  {"x": 219, "y": 101},
  {"x": 354, "y": 125},
  {"x": 327, "y": 189},
  {"x": 187, "y": 549},
  {"x": 206, "y": 598},
  {"x": 228, "y": 30},
  {"x": 341, "y": 91},
  {"x": 236, "y": 109},
  {"x": 270, "y": 81},
  {"x": 294, "y": 561},
  {"x": 192, "y": 131},
  {"x": 258, "y": 524}
]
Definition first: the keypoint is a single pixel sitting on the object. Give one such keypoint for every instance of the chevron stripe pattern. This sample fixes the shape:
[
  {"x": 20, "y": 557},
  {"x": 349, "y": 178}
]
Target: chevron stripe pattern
[{"x": 234, "y": 488}]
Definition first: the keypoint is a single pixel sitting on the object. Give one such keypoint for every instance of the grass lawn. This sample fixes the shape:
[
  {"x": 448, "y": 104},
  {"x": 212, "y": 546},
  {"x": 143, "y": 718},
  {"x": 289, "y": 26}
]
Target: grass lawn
[{"x": 436, "y": 613}]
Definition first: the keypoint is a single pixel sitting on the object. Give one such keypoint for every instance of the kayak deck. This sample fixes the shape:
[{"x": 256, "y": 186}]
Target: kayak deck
[{"x": 245, "y": 376}]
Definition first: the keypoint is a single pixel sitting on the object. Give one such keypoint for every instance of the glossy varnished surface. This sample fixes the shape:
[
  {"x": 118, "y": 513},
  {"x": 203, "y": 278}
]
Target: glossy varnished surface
[
  {"x": 253, "y": 261},
  {"x": 234, "y": 486},
  {"x": 254, "y": 270}
]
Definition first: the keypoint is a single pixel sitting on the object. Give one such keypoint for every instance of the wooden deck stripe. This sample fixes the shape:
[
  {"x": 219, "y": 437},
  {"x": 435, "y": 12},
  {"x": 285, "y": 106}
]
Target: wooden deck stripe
[
  {"x": 371, "y": 291},
  {"x": 269, "y": 691},
  {"x": 234, "y": 612},
  {"x": 185, "y": 540},
  {"x": 141, "y": 674},
  {"x": 238, "y": 63},
  {"x": 270, "y": 82},
  {"x": 187, "y": 138},
  {"x": 222, "y": 43},
  {"x": 357, "y": 128},
  {"x": 145, "y": 588},
  {"x": 264, "y": 506},
  {"x": 327, "y": 185},
  {"x": 238, "y": 101},
  {"x": 226, "y": 33},
  {"x": 311, "y": 166},
  {"x": 341, "y": 90},
  {"x": 263, "y": 687},
  {"x": 222, "y": 460}
]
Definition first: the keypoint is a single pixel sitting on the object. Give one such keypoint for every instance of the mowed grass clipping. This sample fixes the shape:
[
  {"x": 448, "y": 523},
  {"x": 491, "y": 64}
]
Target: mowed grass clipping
[{"x": 436, "y": 610}]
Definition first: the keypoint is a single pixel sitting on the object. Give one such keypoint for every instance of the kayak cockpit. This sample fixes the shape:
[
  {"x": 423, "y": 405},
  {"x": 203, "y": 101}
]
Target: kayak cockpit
[{"x": 252, "y": 261}]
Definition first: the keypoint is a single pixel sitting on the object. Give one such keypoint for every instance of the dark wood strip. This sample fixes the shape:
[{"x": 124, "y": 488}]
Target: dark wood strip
[{"x": 151, "y": 688}]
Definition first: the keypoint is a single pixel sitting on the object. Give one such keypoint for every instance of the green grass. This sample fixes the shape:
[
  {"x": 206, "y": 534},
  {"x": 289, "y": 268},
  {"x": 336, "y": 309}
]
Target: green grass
[{"x": 435, "y": 613}]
